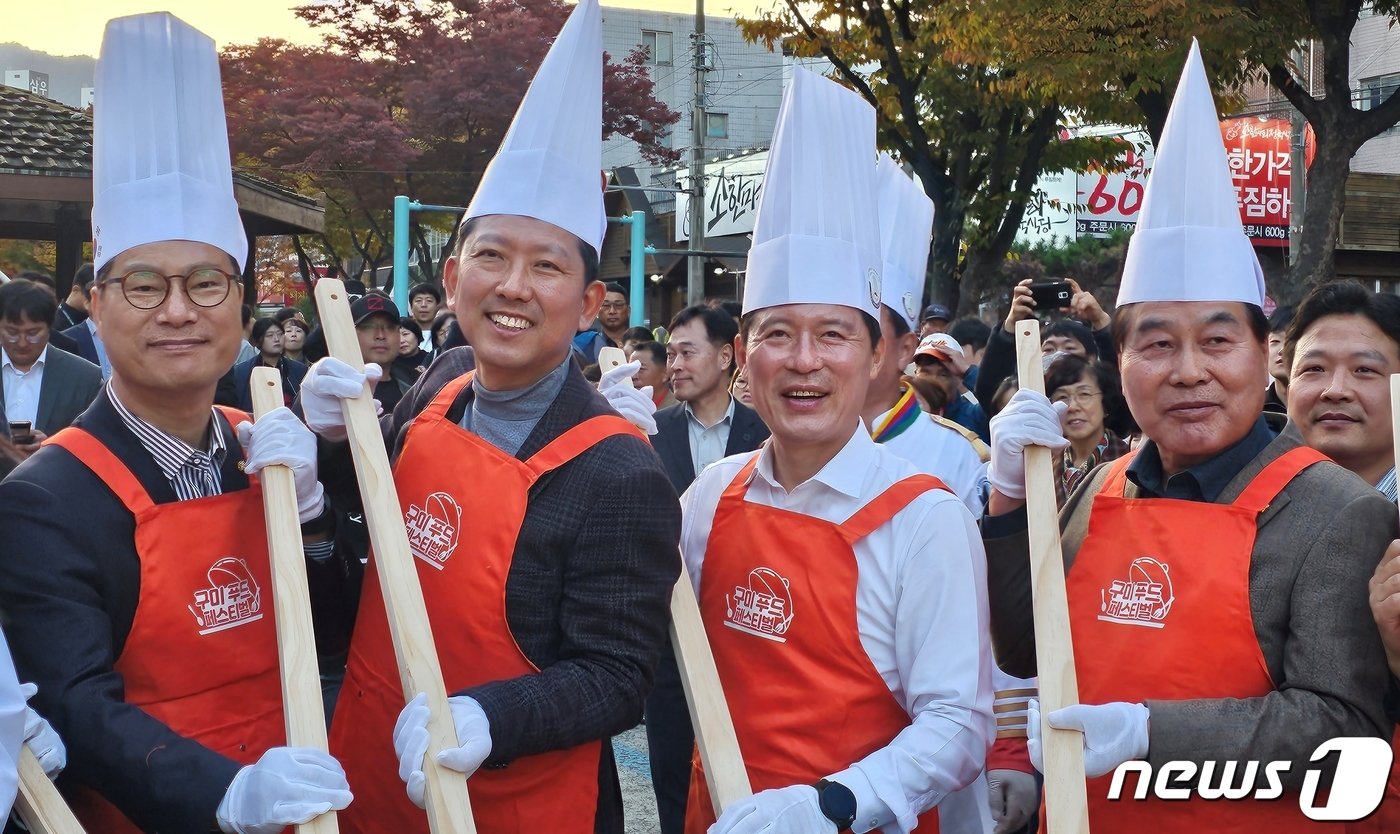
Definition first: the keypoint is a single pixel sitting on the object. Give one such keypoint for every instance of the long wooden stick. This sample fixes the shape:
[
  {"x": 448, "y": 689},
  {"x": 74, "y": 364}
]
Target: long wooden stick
[
  {"x": 1066, "y": 807},
  {"x": 725, "y": 774},
  {"x": 39, "y": 803},
  {"x": 419, "y": 668},
  {"x": 302, "y": 708}
]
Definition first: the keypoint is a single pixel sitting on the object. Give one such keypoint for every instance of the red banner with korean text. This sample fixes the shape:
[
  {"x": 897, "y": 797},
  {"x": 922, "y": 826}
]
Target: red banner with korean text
[{"x": 1259, "y": 150}]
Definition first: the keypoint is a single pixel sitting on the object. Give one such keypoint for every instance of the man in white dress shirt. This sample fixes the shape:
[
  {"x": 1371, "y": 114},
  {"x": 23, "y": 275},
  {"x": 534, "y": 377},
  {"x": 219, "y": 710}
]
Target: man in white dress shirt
[{"x": 828, "y": 570}]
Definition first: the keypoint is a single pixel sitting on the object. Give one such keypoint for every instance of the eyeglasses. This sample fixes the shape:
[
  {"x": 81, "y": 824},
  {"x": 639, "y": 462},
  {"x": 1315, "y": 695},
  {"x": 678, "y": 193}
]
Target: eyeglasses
[
  {"x": 12, "y": 337},
  {"x": 377, "y": 326},
  {"x": 147, "y": 290},
  {"x": 1076, "y": 397},
  {"x": 614, "y": 305}
]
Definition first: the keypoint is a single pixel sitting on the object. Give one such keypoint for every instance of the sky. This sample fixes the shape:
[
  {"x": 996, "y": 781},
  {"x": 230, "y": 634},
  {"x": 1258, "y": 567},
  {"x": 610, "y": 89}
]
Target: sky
[{"x": 74, "y": 27}]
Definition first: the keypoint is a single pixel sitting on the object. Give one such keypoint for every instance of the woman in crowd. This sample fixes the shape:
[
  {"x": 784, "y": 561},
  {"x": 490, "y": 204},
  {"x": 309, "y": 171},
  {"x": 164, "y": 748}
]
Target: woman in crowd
[
  {"x": 294, "y": 332},
  {"x": 1095, "y": 422}
]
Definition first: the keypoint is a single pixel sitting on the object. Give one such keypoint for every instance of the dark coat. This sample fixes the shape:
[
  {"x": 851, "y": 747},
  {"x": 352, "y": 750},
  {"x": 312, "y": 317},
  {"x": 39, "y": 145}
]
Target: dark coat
[
  {"x": 235, "y": 387},
  {"x": 672, "y": 440},
  {"x": 69, "y": 584},
  {"x": 82, "y": 337},
  {"x": 70, "y": 384}
]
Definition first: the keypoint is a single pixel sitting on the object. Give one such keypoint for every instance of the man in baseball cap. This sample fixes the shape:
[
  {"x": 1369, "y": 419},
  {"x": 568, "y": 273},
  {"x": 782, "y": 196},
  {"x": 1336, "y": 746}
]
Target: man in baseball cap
[
  {"x": 936, "y": 318},
  {"x": 940, "y": 360}
]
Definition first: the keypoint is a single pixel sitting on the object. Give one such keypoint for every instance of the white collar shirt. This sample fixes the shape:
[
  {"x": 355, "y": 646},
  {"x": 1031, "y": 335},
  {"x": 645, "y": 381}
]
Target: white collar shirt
[
  {"x": 945, "y": 454},
  {"x": 707, "y": 443},
  {"x": 22, "y": 388},
  {"x": 100, "y": 348},
  {"x": 921, "y": 613}
]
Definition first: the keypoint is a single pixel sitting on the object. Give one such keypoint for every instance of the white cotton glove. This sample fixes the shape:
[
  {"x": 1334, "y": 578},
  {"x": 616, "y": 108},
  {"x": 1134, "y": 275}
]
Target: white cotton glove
[
  {"x": 1013, "y": 796},
  {"x": 278, "y": 437},
  {"x": 1029, "y": 419},
  {"x": 1113, "y": 733},
  {"x": 790, "y": 810},
  {"x": 327, "y": 382},
  {"x": 411, "y": 741},
  {"x": 287, "y": 786},
  {"x": 41, "y": 738},
  {"x": 633, "y": 403}
]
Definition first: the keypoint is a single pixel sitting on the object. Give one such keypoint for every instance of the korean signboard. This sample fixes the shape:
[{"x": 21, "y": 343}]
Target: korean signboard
[
  {"x": 1259, "y": 151},
  {"x": 732, "y": 187}
]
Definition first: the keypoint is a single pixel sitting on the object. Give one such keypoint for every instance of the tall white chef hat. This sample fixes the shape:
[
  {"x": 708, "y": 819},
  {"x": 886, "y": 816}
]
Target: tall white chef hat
[
  {"x": 160, "y": 159},
  {"x": 906, "y": 233},
  {"x": 550, "y": 163},
  {"x": 1189, "y": 244},
  {"x": 816, "y": 239}
]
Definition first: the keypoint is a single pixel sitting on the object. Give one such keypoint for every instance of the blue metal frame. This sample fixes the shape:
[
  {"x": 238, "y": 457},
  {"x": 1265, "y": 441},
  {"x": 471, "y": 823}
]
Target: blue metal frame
[{"x": 637, "y": 220}]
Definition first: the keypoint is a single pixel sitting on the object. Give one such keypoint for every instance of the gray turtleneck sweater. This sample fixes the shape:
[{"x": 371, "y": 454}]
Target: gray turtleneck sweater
[{"x": 505, "y": 418}]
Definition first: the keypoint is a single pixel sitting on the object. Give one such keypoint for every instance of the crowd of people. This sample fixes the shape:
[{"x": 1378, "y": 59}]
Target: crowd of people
[{"x": 836, "y": 469}]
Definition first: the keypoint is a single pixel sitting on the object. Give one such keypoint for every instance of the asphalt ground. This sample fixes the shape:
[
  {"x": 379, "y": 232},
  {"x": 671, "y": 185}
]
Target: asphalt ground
[{"x": 634, "y": 773}]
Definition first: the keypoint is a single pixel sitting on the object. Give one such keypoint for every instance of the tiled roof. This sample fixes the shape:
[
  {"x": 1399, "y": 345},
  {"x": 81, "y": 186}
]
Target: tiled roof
[{"x": 39, "y": 136}]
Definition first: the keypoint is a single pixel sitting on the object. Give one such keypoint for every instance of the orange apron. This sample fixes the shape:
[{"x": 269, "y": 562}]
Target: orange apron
[
  {"x": 778, "y": 597},
  {"x": 442, "y": 471},
  {"x": 1159, "y": 609},
  {"x": 202, "y": 653}
]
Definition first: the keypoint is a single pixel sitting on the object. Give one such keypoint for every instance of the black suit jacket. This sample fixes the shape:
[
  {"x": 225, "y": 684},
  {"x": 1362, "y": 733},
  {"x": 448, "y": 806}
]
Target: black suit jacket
[
  {"x": 70, "y": 579},
  {"x": 82, "y": 337},
  {"x": 672, "y": 440},
  {"x": 589, "y": 589}
]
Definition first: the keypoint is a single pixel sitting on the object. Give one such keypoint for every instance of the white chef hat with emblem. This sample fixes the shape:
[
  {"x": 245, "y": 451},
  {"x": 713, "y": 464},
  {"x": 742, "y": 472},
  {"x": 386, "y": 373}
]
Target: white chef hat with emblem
[
  {"x": 906, "y": 233},
  {"x": 1189, "y": 244},
  {"x": 160, "y": 158},
  {"x": 816, "y": 238},
  {"x": 549, "y": 165}
]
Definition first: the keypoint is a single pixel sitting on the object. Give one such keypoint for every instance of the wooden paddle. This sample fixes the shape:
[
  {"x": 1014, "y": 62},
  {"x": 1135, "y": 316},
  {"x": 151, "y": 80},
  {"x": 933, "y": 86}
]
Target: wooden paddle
[
  {"x": 302, "y": 707},
  {"x": 1066, "y": 806},
  {"x": 39, "y": 803},
  {"x": 725, "y": 774},
  {"x": 419, "y": 668}
]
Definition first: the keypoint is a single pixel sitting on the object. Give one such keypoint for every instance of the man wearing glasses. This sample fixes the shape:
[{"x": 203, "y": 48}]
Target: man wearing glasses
[
  {"x": 44, "y": 388},
  {"x": 612, "y": 323},
  {"x": 146, "y": 616}
]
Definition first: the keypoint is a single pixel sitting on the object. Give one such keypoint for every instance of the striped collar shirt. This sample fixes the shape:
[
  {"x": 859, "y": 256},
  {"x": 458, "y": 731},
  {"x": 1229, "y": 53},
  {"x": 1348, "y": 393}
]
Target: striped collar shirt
[
  {"x": 193, "y": 473},
  {"x": 1387, "y": 485}
]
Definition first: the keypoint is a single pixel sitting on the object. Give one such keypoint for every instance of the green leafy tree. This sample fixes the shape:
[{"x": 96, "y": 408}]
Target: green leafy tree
[{"x": 977, "y": 133}]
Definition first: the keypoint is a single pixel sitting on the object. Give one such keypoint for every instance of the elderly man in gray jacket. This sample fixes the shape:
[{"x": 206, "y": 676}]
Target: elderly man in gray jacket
[{"x": 1217, "y": 578}]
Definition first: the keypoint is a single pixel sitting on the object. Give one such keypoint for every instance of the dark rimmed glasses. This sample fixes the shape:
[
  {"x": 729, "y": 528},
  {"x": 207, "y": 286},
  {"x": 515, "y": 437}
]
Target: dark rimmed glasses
[{"x": 146, "y": 289}]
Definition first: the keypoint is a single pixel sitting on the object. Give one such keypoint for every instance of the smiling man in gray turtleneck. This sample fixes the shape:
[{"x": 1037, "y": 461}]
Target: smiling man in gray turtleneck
[
  {"x": 545, "y": 528},
  {"x": 547, "y": 532}
]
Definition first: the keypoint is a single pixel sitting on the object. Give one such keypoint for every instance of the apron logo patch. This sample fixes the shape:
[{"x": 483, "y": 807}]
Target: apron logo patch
[
  {"x": 1143, "y": 599},
  {"x": 233, "y": 597},
  {"x": 762, "y": 608},
  {"x": 432, "y": 528}
]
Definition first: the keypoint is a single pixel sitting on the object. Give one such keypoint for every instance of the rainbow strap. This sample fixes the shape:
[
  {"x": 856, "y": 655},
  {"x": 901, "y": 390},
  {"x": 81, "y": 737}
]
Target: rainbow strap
[{"x": 893, "y": 424}]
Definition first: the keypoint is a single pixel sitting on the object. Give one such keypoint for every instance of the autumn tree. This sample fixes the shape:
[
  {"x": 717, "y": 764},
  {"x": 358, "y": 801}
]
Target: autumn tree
[
  {"x": 977, "y": 134},
  {"x": 1136, "y": 49},
  {"x": 407, "y": 97}
]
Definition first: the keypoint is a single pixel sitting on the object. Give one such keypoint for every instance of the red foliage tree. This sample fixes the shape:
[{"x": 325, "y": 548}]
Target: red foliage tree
[{"x": 408, "y": 98}]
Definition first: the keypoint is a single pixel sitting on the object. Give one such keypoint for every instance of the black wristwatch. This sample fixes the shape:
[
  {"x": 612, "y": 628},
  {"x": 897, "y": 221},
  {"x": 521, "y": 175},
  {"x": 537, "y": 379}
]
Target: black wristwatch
[{"x": 837, "y": 802}]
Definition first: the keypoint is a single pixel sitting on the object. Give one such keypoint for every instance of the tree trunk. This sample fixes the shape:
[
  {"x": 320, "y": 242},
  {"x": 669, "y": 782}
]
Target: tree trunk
[
  {"x": 943, "y": 259},
  {"x": 1322, "y": 219}
]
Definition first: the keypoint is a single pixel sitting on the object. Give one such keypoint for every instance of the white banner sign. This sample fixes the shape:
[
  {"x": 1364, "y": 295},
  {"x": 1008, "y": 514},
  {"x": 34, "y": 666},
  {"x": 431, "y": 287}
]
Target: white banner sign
[{"x": 732, "y": 187}]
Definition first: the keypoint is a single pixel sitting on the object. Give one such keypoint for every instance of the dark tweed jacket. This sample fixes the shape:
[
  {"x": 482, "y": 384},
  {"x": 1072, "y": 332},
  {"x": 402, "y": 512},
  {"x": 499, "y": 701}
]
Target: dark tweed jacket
[
  {"x": 589, "y": 589},
  {"x": 1318, "y": 544}
]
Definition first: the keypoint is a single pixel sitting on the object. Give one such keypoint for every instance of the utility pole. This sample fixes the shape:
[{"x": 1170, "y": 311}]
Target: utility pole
[
  {"x": 695, "y": 264},
  {"x": 1298, "y": 176}
]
